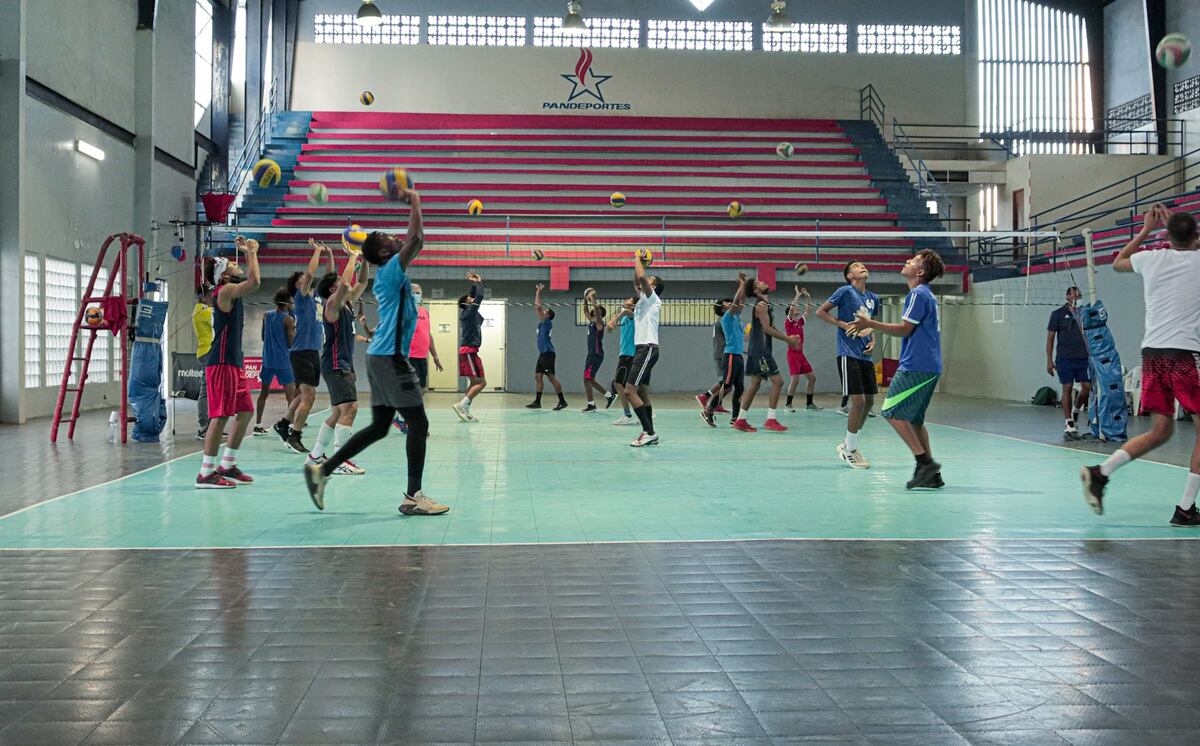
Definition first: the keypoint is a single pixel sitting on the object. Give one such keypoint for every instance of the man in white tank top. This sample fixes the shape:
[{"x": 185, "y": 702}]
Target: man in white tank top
[{"x": 646, "y": 313}]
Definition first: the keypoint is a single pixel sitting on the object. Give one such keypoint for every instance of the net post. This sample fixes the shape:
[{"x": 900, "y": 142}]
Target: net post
[{"x": 1090, "y": 253}]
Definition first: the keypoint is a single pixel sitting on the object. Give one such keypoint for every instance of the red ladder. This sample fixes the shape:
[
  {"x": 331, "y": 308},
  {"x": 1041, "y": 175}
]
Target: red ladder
[{"x": 120, "y": 278}]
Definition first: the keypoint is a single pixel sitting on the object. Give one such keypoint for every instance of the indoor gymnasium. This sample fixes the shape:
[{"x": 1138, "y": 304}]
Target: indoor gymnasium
[{"x": 599, "y": 372}]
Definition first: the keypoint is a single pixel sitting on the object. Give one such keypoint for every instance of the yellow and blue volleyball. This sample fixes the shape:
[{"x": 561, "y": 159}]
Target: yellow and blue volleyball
[
  {"x": 391, "y": 182},
  {"x": 645, "y": 256},
  {"x": 537, "y": 255},
  {"x": 734, "y": 209},
  {"x": 617, "y": 199},
  {"x": 1173, "y": 51},
  {"x": 94, "y": 316},
  {"x": 353, "y": 238},
  {"x": 366, "y": 98},
  {"x": 475, "y": 207},
  {"x": 801, "y": 268},
  {"x": 267, "y": 173},
  {"x": 785, "y": 150},
  {"x": 318, "y": 194}
]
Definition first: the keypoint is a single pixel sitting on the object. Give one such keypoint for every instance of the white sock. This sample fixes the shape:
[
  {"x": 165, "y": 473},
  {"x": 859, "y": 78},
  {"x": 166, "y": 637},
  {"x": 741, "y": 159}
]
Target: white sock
[
  {"x": 851, "y": 441},
  {"x": 770, "y": 413},
  {"x": 591, "y": 403},
  {"x": 1119, "y": 458},
  {"x": 228, "y": 458},
  {"x": 324, "y": 435},
  {"x": 341, "y": 434},
  {"x": 1189, "y": 492},
  {"x": 208, "y": 465},
  {"x": 465, "y": 402}
]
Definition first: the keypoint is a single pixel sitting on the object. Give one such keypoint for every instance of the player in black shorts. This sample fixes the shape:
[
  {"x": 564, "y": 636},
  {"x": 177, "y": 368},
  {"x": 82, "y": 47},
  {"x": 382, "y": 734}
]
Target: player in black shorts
[
  {"x": 546, "y": 355},
  {"x": 625, "y": 350},
  {"x": 594, "y": 313}
]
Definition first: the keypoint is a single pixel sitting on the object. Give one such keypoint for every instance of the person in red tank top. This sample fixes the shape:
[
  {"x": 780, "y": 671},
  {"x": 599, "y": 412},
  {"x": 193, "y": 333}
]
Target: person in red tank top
[{"x": 798, "y": 364}]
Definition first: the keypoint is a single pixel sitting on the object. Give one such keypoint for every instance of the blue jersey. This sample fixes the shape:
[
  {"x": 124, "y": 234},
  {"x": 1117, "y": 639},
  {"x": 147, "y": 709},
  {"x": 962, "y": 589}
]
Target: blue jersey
[
  {"x": 397, "y": 311},
  {"x": 275, "y": 341},
  {"x": 628, "y": 348},
  {"x": 308, "y": 322},
  {"x": 227, "y": 333},
  {"x": 921, "y": 351},
  {"x": 846, "y": 302},
  {"x": 595, "y": 340},
  {"x": 735, "y": 339},
  {"x": 544, "y": 328}
]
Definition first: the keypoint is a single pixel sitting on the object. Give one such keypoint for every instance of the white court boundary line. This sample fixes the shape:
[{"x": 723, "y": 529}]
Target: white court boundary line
[{"x": 1001, "y": 539}]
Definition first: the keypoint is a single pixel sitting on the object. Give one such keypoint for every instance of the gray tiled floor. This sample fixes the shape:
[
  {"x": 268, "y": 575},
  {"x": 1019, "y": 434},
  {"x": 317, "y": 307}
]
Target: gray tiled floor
[{"x": 848, "y": 642}]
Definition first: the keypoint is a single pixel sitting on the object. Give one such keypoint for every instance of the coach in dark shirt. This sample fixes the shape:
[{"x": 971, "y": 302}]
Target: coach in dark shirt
[{"x": 1071, "y": 360}]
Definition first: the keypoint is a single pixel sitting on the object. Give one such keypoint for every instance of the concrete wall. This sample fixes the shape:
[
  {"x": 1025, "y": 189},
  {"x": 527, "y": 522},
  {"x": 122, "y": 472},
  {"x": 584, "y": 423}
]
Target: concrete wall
[{"x": 1126, "y": 52}]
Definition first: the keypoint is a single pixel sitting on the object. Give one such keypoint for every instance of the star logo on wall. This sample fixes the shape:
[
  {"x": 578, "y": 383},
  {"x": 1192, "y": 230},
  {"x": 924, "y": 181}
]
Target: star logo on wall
[{"x": 584, "y": 81}]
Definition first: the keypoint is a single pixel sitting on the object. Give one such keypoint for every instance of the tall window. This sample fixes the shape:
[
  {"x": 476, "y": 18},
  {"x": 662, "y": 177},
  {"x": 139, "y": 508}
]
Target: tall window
[
  {"x": 204, "y": 47},
  {"x": 602, "y": 32},
  {"x": 477, "y": 31},
  {"x": 237, "y": 56},
  {"x": 989, "y": 208},
  {"x": 1035, "y": 81},
  {"x": 33, "y": 321},
  {"x": 717, "y": 36},
  {"x": 62, "y": 304}
]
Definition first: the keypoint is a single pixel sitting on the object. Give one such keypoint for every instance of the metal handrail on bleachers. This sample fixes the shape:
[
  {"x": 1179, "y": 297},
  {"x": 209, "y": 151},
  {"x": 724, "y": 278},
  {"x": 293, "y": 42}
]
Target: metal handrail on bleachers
[
  {"x": 872, "y": 109},
  {"x": 240, "y": 172}
]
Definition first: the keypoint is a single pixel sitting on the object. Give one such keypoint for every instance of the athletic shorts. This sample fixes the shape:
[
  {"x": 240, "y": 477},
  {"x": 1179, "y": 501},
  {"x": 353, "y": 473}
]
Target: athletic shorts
[
  {"x": 544, "y": 364},
  {"x": 393, "y": 382},
  {"x": 798, "y": 364},
  {"x": 733, "y": 368},
  {"x": 624, "y": 363},
  {"x": 1167, "y": 376},
  {"x": 909, "y": 395},
  {"x": 283, "y": 375},
  {"x": 469, "y": 364},
  {"x": 858, "y": 376},
  {"x": 1072, "y": 370},
  {"x": 591, "y": 366},
  {"x": 644, "y": 358},
  {"x": 228, "y": 391},
  {"x": 342, "y": 385},
  {"x": 763, "y": 366},
  {"x": 421, "y": 366},
  {"x": 306, "y": 365}
]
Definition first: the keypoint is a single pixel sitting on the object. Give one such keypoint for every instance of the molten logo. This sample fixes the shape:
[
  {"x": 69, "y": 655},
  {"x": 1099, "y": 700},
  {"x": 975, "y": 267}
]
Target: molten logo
[{"x": 585, "y": 81}]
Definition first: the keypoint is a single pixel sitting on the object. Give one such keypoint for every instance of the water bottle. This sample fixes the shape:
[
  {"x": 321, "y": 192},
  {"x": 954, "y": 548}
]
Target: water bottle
[{"x": 113, "y": 421}]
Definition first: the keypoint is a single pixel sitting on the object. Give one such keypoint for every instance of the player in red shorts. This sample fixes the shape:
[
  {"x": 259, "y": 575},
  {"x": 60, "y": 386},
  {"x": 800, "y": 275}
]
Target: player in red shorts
[
  {"x": 1170, "y": 351},
  {"x": 228, "y": 389},
  {"x": 798, "y": 364},
  {"x": 470, "y": 334}
]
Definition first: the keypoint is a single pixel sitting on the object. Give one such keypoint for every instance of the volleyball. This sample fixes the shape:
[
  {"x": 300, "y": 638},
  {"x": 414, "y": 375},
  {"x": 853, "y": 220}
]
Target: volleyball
[
  {"x": 267, "y": 173},
  {"x": 537, "y": 255},
  {"x": 318, "y": 194},
  {"x": 801, "y": 268},
  {"x": 617, "y": 199},
  {"x": 734, "y": 209},
  {"x": 94, "y": 316},
  {"x": 1173, "y": 51},
  {"x": 475, "y": 207},
  {"x": 366, "y": 98},
  {"x": 784, "y": 150},
  {"x": 392, "y": 180},
  {"x": 353, "y": 238},
  {"x": 645, "y": 256}
]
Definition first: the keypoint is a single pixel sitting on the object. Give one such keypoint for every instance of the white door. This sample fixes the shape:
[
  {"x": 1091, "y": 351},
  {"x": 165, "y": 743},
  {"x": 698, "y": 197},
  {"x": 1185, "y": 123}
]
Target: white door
[
  {"x": 443, "y": 328},
  {"x": 492, "y": 352}
]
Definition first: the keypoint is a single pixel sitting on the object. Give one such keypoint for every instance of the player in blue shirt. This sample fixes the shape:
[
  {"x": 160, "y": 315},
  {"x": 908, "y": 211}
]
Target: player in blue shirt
[
  {"x": 545, "y": 347},
  {"x": 854, "y": 354},
  {"x": 920, "y": 364},
  {"x": 394, "y": 384},
  {"x": 278, "y": 329},
  {"x": 594, "y": 313},
  {"x": 733, "y": 364},
  {"x": 306, "y": 348},
  {"x": 625, "y": 353}
]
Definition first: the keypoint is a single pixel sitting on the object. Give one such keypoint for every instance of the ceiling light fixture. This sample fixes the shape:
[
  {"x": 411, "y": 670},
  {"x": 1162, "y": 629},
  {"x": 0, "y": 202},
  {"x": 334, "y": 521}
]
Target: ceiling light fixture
[
  {"x": 572, "y": 22},
  {"x": 778, "y": 20},
  {"x": 91, "y": 151},
  {"x": 368, "y": 15}
]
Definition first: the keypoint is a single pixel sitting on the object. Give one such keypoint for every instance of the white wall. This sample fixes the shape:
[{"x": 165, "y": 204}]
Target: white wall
[
  {"x": 666, "y": 83},
  {"x": 174, "y": 78}
]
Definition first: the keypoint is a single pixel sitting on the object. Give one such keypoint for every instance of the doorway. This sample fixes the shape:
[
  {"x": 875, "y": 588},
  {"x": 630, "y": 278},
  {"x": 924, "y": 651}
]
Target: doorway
[{"x": 443, "y": 327}]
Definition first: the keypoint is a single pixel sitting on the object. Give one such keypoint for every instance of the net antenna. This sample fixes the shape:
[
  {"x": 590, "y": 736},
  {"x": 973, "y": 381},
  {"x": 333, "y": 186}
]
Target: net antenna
[{"x": 1090, "y": 252}]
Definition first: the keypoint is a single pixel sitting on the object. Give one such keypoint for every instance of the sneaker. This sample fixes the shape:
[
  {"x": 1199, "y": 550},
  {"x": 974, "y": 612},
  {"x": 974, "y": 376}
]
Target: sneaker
[
  {"x": 462, "y": 412},
  {"x": 644, "y": 440},
  {"x": 318, "y": 460},
  {"x": 234, "y": 474},
  {"x": 293, "y": 443},
  {"x": 214, "y": 481},
  {"x": 774, "y": 426},
  {"x": 530, "y": 405},
  {"x": 854, "y": 459},
  {"x": 789, "y": 408},
  {"x": 814, "y": 408},
  {"x": 419, "y": 504},
  {"x": 925, "y": 476},
  {"x": 708, "y": 418},
  {"x": 703, "y": 399},
  {"x": 201, "y": 434},
  {"x": 1189, "y": 517},
  {"x": 1093, "y": 488},
  {"x": 259, "y": 430},
  {"x": 314, "y": 479},
  {"x": 589, "y": 408},
  {"x": 843, "y": 411},
  {"x": 937, "y": 481},
  {"x": 720, "y": 409},
  {"x": 1070, "y": 432},
  {"x": 871, "y": 413},
  {"x": 562, "y": 404},
  {"x": 471, "y": 417},
  {"x": 744, "y": 426},
  {"x": 282, "y": 428},
  {"x": 625, "y": 420},
  {"x": 609, "y": 398},
  {"x": 349, "y": 469},
  {"x": 399, "y": 423}
]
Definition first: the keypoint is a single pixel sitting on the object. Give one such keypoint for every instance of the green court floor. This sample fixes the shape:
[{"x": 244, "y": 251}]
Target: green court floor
[{"x": 526, "y": 477}]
